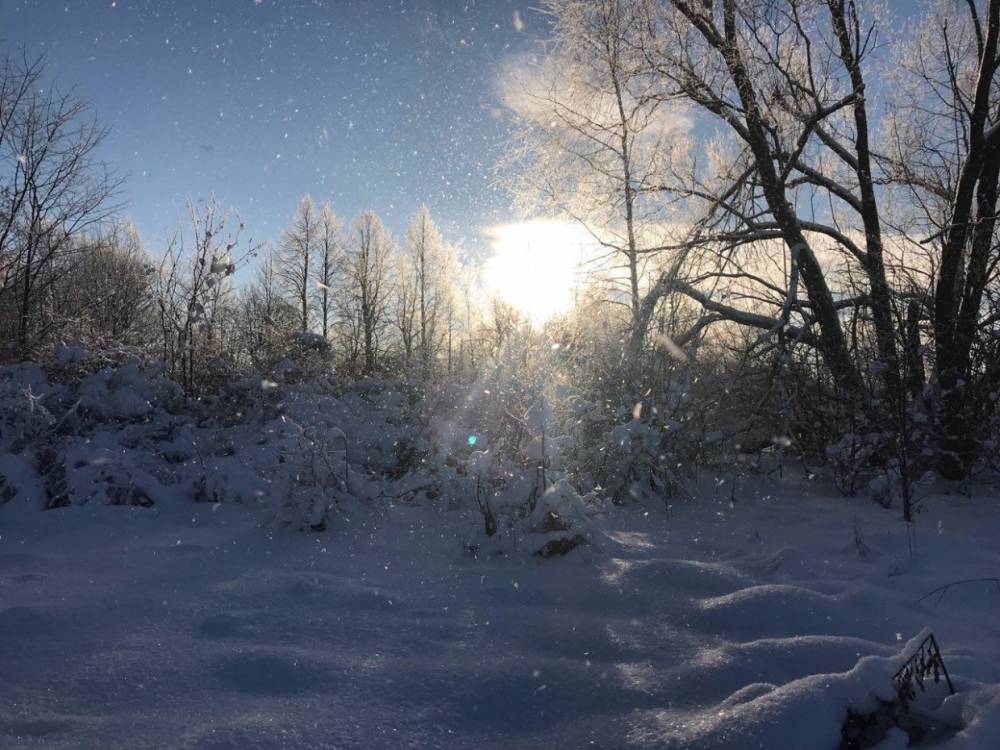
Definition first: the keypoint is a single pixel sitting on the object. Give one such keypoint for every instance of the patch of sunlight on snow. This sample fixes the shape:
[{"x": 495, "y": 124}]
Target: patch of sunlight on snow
[
  {"x": 616, "y": 570},
  {"x": 639, "y": 676},
  {"x": 632, "y": 539}
]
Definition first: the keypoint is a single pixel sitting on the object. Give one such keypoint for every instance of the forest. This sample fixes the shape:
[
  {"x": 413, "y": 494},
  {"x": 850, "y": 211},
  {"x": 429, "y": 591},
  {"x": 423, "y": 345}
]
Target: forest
[{"x": 724, "y": 454}]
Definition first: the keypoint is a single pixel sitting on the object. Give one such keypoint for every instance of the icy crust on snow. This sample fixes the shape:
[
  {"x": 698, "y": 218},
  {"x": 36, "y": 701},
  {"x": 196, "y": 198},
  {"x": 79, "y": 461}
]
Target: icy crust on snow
[{"x": 167, "y": 602}]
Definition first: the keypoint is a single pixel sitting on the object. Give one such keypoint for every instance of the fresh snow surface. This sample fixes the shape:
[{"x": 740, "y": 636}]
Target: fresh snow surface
[{"x": 752, "y": 624}]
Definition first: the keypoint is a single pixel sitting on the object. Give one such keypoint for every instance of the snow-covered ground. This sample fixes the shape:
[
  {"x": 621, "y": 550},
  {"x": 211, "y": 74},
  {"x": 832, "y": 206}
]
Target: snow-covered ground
[{"x": 750, "y": 624}]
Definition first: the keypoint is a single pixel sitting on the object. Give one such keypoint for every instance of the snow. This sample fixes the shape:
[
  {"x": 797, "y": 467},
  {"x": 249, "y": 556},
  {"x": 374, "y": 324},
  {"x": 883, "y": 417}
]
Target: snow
[
  {"x": 746, "y": 618},
  {"x": 188, "y": 625}
]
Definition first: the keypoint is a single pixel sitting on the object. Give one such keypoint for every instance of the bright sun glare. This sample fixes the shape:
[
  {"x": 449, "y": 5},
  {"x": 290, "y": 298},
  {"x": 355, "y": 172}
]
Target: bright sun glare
[{"x": 536, "y": 265}]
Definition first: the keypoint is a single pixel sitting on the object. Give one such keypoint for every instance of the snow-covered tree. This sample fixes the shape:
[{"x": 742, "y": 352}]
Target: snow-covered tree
[
  {"x": 431, "y": 264},
  {"x": 193, "y": 288},
  {"x": 301, "y": 244},
  {"x": 266, "y": 318},
  {"x": 405, "y": 310},
  {"x": 328, "y": 247},
  {"x": 366, "y": 289},
  {"x": 592, "y": 138}
]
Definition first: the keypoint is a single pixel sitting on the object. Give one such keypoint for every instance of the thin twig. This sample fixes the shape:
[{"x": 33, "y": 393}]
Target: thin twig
[{"x": 944, "y": 589}]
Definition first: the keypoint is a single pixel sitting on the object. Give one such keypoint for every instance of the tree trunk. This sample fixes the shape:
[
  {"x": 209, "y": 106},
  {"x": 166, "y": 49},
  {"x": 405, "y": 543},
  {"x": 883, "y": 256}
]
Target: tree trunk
[{"x": 958, "y": 294}]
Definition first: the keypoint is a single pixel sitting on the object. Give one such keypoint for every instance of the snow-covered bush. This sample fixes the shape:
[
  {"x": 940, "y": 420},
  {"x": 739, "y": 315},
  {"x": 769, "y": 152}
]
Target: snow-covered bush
[
  {"x": 126, "y": 393},
  {"x": 522, "y": 491},
  {"x": 637, "y": 459},
  {"x": 633, "y": 466},
  {"x": 102, "y": 471},
  {"x": 559, "y": 521},
  {"x": 122, "y": 434},
  {"x": 24, "y": 417},
  {"x": 851, "y": 457},
  {"x": 304, "y": 356},
  {"x": 519, "y": 514},
  {"x": 524, "y": 456},
  {"x": 312, "y": 473},
  {"x": 18, "y": 479}
]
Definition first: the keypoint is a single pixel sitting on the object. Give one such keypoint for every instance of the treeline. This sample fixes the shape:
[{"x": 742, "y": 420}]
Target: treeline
[{"x": 329, "y": 294}]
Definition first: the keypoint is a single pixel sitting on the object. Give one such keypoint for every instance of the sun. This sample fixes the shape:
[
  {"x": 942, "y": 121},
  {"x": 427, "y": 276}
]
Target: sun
[{"x": 536, "y": 265}]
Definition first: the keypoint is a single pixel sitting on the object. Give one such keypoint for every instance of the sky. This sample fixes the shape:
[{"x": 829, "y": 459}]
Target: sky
[{"x": 382, "y": 105}]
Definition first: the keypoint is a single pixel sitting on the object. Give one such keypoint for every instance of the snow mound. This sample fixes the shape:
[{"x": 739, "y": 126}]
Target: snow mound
[{"x": 811, "y": 709}]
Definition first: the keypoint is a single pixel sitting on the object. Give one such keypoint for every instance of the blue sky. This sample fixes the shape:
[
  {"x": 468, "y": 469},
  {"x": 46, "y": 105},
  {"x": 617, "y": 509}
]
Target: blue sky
[{"x": 365, "y": 104}]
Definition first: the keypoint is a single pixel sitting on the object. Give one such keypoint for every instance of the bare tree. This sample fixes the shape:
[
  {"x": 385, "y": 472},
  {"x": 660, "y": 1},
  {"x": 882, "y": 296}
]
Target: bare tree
[
  {"x": 462, "y": 318},
  {"x": 593, "y": 137},
  {"x": 300, "y": 245},
  {"x": 366, "y": 288},
  {"x": 53, "y": 188},
  {"x": 785, "y": 79},
  {"x": 102, "y": 293},
  {"x": 328, "y": 248},
  {"x": 266, "y": 319},
  {"x": 944, "y": 150},
  {"x": 430, "y": 265},
  {"x": 794, "y": 232},
  {"x": 193, "y": 288},
  {"x": 406, "y": 308}
]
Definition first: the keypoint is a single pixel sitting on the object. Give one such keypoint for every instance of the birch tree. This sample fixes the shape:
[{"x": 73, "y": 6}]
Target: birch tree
[
  {"x": 405, "y": 308},
  {"x": 366, "y": 289},
  {"x": 432, "y": 265},
  {"x": 591, "y": 139},
  {"x": 300, "y": 247},
  {"x": 328, "y": 248}
]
